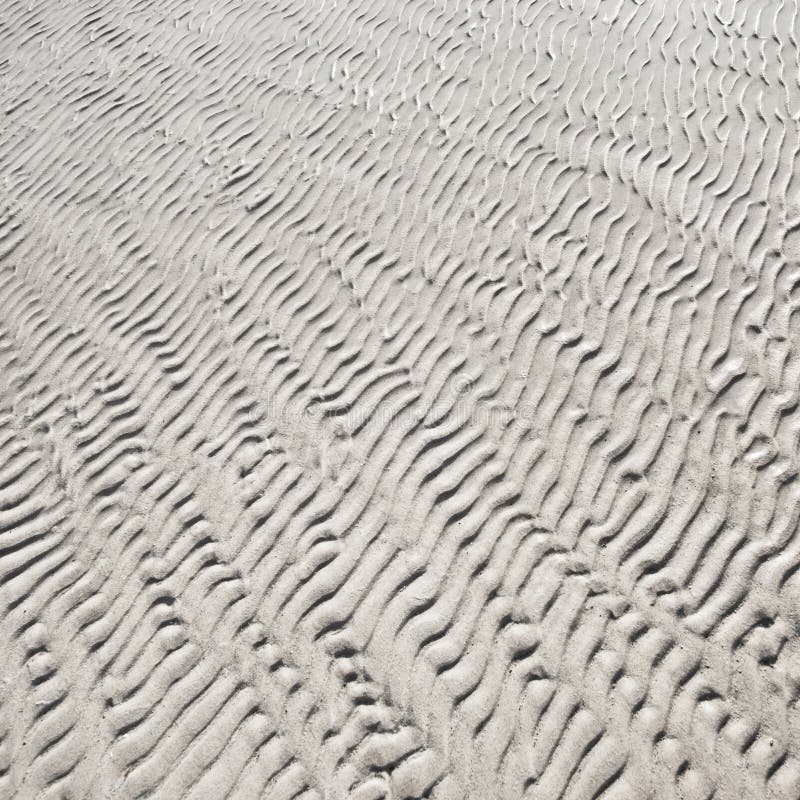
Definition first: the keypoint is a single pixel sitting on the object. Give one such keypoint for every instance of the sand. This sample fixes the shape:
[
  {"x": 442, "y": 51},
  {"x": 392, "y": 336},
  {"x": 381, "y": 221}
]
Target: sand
[{"x": 400, "y": 399}]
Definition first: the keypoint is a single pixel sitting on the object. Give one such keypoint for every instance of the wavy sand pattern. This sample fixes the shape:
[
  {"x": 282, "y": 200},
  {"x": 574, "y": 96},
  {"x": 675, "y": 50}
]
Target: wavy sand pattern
[{"x": 400, "y": 399}]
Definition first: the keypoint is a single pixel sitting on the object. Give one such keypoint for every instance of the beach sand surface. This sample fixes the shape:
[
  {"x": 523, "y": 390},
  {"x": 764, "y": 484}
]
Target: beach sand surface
[{"x": 400, "y": 399}]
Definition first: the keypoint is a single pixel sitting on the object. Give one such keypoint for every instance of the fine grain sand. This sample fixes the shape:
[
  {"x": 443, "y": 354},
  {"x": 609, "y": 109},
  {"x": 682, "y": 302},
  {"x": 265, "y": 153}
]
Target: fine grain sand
[{"x": 399, "y": 399}]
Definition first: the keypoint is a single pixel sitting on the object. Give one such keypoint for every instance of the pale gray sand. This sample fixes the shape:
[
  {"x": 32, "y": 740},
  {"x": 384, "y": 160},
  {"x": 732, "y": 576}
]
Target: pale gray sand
[{"x": 399, "y": 399}]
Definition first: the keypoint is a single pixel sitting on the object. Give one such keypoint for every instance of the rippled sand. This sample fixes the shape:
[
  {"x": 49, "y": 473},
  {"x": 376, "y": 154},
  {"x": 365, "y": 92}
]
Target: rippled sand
[{"x": 399, "y": 399}]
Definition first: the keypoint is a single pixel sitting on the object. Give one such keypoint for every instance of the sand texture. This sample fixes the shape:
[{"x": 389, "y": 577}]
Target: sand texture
[{"x": 399, "y": 399}]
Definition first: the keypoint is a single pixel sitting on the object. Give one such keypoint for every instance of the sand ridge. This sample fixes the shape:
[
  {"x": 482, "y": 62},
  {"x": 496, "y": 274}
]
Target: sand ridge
[{"x": 399, "y": 399}]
